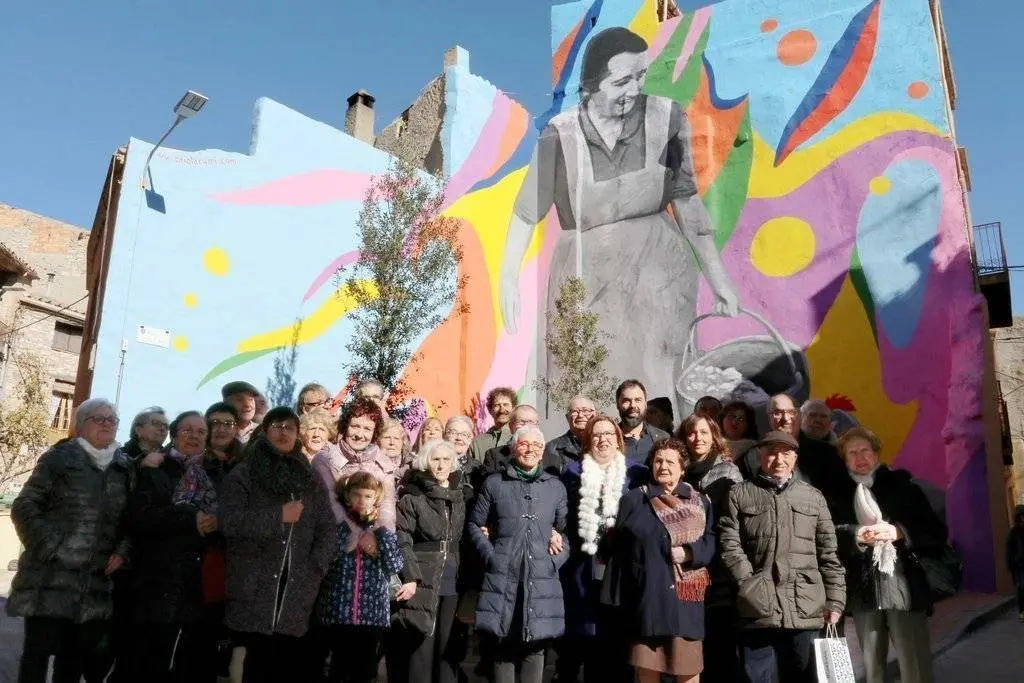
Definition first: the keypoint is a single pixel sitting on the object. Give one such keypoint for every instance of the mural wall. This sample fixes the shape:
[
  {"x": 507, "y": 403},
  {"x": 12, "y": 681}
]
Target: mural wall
[{"x": 759, "y": 186}]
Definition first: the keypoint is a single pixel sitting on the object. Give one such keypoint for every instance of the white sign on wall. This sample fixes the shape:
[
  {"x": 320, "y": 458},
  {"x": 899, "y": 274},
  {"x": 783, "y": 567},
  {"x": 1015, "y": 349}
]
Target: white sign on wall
[{"x": 153, "y": 336}]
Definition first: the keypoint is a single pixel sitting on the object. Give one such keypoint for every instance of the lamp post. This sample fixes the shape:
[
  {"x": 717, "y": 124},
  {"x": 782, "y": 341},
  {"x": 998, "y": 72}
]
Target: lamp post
[{"x": 188, "y": 106}]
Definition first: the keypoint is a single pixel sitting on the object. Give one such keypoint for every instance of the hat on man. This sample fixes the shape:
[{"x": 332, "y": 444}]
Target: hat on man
[
  {"x": 232, "y": 388},
  {"x": 778, "y": 438}
]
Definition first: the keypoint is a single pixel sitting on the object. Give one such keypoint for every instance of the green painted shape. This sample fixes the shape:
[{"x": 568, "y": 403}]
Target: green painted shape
[
  {"x": 728, "y": 194},
  {"x": 659, "y": 73},
  {"x": 231, "y": 363},
  {"x": 682, "y": 90},
  {"x": 860, "y": 285}
]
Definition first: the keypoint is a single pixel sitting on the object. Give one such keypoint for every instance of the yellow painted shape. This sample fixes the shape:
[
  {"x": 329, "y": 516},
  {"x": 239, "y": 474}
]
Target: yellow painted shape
[
  {"x": 767, "y": 181},
  {"x": 190, "y": 300},
  {"x": 315, "y": 324},
  {"x": 782, "y": 246},
  {"x": 216, "y": 261},
  {"x": 645, "y": 23},
  {"x": 843, "y": 359},
  {"x": 179, "y": 344},
  {"x": 880, "y": 185}
]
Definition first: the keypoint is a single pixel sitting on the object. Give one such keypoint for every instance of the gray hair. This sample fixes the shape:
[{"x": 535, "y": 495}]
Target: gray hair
[
  {"x": 369, "y": 382},
  {"x": 421, "y": 460},
  {"x": 307, "y": 388},
  {"x": 813, "y": 403},
  {"x": 524, "y": 432},
  {"x": 142, "y": 416},
  {"x": 389, "y": 423},
  {"x": 452, "y": 421},
  {"x": 89, "y": 408}
]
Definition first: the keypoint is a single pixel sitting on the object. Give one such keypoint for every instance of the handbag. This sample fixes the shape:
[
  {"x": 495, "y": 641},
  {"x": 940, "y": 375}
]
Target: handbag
[
  {"x": 944, "y": 572},
  {"x": 832, "y": 658}
]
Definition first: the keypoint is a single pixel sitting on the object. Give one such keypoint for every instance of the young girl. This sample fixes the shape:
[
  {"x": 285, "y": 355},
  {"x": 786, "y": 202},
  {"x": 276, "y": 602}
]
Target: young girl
[{"x": 354, "y": 601}]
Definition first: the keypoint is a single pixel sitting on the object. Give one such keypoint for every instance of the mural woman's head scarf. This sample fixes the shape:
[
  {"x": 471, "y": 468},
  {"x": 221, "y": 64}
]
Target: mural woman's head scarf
[{"x": 600, "y": 50}]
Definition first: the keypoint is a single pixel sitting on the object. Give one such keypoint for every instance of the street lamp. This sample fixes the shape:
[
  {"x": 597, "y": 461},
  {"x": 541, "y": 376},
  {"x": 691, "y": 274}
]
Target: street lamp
[{"x": 188, "y": 106}]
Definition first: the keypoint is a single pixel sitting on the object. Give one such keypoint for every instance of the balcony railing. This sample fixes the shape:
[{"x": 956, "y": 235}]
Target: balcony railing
[{"x": 989, "y": 250}]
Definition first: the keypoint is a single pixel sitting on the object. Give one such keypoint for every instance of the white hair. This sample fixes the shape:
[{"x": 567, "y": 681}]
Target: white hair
[
  {"x": 813, "y": 403},
  {"x": 524, "y": 432},
  {"x": 90, "y": 408},
  {"x": 421, "y": 461},
  {"x": 457, "y": 419},
  {"x": 144, "y": 415}
]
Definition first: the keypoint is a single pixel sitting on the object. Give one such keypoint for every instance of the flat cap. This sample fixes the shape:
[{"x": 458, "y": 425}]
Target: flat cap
[
  {"x": 232, "y": 388},
  {"x": 782, "y": 438}
]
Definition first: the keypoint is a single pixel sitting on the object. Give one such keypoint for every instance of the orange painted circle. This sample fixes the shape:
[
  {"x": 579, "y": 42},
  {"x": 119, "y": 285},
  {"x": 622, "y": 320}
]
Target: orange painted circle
[
  {"x": 796, "y": 47},
  {"x": 769, "y": 25},
  {"x": 917, "y": 89}
]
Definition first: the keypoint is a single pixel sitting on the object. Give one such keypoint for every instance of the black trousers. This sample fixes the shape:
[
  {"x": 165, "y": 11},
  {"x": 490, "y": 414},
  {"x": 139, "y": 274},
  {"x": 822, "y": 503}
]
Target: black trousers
[
  {"x": 77, "y": 649},
  {"x": 602, "y": 657},
  {"x": 1020, "y": 598},
  {"x": 721, "y": 651},
  {"x": 516, "y": 661},
  {"x": 791, "y": 650},
  {"x": 413, "y": 657},
  {"x": 355, "y": 653},
  {"x": 271, "y": 659},
  {"x": 169, "y": 653}
]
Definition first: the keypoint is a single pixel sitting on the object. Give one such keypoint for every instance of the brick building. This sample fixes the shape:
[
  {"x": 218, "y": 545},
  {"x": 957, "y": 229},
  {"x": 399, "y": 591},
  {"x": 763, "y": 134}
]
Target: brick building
[{"x": 42, "y": 305}]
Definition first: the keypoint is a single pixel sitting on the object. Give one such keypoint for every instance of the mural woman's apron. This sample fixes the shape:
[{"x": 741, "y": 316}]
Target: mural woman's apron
[{"x": 640, "y": 272}]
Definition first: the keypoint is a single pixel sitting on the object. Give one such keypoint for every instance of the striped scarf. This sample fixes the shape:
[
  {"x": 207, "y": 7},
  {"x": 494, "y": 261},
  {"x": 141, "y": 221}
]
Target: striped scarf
[{"x": 684, "y": 519}]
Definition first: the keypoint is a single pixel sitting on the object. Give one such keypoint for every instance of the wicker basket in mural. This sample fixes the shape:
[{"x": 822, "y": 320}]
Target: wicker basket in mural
[{"x": 770, "y": 362}]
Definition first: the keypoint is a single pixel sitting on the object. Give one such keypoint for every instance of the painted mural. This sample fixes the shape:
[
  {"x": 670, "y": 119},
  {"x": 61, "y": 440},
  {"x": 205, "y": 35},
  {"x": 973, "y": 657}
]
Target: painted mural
[{"x": 764, "y": 187}]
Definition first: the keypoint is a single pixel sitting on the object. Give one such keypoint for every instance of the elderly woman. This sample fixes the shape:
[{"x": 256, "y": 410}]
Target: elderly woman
[
  {"x": 458, "y": 431},
  {"x": 663, "y": 543},
  {"x": 147, "y": 433},
  {"x": 517, "y": 525},
  {"x": 431, "y": 517},
  {"x": 317, "y": 432},
  {"x": 68, "y": 518},
  {"x": 595, "y": 486},
  {"x": 393, "y": 442},
  {"x": 431, "y": 430},
  {"x": 171, "y": 512},
  {"x": 711, "y": 473},
  {"x": 311, "y": 397},
  {"x": 884, "y": 525},
  {"x": 280, "y": 538}
]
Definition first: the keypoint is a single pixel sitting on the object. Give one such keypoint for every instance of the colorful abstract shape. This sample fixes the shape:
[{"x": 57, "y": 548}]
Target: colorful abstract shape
[
  {"x": 216, "y": 261},
  {"x": 782, "y": 246},
  {"x": 796, "y": 47}
]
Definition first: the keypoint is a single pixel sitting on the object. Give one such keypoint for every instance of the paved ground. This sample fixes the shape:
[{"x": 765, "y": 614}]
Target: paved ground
[{"x": 994, "y": 654}]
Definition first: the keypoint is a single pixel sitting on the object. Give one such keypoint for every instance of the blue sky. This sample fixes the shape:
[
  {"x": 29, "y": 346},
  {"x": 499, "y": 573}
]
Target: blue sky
[{"x": 80, "y": 78}]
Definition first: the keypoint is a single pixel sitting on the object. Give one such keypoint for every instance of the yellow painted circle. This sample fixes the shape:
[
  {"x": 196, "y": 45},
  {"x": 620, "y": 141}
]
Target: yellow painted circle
[
  {"x": 782, "y": 247},
  {"x": 180, "y": 344},
  {"x": 216, "y": 261},
  {"x": 190, "y": 300},
  {"x": 879, "y": 185}
]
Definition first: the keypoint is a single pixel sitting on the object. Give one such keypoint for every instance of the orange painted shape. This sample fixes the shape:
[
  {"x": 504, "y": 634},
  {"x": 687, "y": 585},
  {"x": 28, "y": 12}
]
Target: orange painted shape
[
  {"x": 796, "y": 47},
  {"x": 562, "y": 53},
  {"x": 515, "y": 129},
  {"x": 769, "y": 25},
  {"x": 917, "y": 90},
  {"x": 461, "y": 348},
  {"x": 712, "y": 132}
]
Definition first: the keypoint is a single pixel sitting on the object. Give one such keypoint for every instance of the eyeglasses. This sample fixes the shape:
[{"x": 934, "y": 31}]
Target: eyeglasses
[
  {"x": 281, "y": 427},
  {"x": 582, "y": 411},
  {"x": 530, "y": 446},
  {"x": 783, "y": 413},
  {"x": 454, "y": 434},
  {"x": 158, "y": 423},
  {"x": 193, "y": 432},
  {"x": 103, "y": 419},
  {"x": 309, "y": 405},
  {"x": 604, "y": 435},
  {"x": 228, "y": 424}
]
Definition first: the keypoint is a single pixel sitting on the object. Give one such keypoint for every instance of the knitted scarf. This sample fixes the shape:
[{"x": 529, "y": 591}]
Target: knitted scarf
[
  {"x": 283, "y": 475},
  {"x": 194, "y": 487},
  {"x": 599, "y": 486},
  {"x": 362, "y": 532},
  {"x": 101, "y": 457},
  {"x": 883, "y": 553},
  {"x": 684, "y": 519}
]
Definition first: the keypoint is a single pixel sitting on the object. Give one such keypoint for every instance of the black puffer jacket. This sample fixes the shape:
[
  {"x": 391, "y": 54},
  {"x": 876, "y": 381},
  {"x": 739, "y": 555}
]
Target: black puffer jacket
[
  {"x": 69, "y": 518},
  {"x": 431, "y": 519},
  {"x": 166, "y": 584}
]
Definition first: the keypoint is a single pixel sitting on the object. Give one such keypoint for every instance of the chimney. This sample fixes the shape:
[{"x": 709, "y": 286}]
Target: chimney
[
  {"x": 359, "y": 117},
  {"x": 456, "y": 56}
]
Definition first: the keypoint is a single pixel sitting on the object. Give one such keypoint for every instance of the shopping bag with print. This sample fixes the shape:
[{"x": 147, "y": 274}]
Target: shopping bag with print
[{"x": 832, "y": 658}]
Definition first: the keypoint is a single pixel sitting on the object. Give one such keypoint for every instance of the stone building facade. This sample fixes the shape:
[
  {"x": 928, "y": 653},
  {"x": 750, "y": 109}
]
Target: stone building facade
[
  {"x": 42, "y": 306},
  {"x": 1009, "y": 359}
]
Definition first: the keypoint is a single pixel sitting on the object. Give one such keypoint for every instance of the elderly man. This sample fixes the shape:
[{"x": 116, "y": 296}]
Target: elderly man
[
  {"x": 631, "y": 399},
  {"x": 497, "y": 459},
  {"x": 500, "y": 403},
  {"x": 816, "y": 421},
  {"x": 242, "y": 396},
  {"x": 820, "y": 464},
  {"x": 312, "y": 396},
  {"x": 778, "y": 543},
  {"x": 569, "y": 446}
]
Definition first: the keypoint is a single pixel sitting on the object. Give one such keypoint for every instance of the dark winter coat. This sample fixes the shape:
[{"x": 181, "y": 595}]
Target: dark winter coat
[
  {"x": 904, "y": 505},
  {"x": 431, "y": 519},
  {"x": 497, "y": 459},
  {"x": 165, "y": 580},
  {"x": 640, "y": 577},
  {"x": 69, "y": 517},
  {"x": 580, "y": 576},
  {"x": 818, "y": 463},
  {"x": 259, "y": 545},
  {"x": 638, "y": 450},
  {"x": 779, "y": 546},
  {"x": 715, "y": 482},
  {"x": 519, "y": 516},
  {"x": 564, "y": 450}
]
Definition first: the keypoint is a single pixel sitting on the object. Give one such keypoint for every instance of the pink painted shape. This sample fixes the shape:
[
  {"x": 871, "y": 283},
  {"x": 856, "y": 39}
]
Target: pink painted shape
[
  {"x": 697, "y": 26},
  {"x": 487, "y": 146},
  {"x": 345, "y": 259},
  {"x": 302, "y": 189},
  {"x": 662, "y": 37}
]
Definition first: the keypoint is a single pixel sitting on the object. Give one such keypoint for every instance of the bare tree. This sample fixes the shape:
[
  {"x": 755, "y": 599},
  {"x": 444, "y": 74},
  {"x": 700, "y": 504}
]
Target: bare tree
[
  {"x": 406, "y": 281},
  {"x": 576, "y": 344},
  {"x": 24, "y": 429},
  {"x": 281, "y": 385}
]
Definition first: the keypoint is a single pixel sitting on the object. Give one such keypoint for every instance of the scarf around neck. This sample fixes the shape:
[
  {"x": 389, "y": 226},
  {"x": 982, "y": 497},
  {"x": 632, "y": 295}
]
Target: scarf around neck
[
  {"x": 684, "y": 519},
  {"x": 883, "y": 553},
  {"x": 600, "y": 492},
  {"x": 101, "y": 457},
  {"x": 284, "y": 475},
  {"x": 367, "y": 455},
  {"x": 529, "y": 476},
  {"x": 194, "y": 487},
  {"x": 361, "y": 532}
]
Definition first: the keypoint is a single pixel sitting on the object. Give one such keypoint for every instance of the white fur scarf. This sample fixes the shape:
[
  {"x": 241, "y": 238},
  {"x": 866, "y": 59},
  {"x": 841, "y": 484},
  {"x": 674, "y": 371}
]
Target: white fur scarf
[
  {"x": 604, "y": 483},
  {"x": 869, "y": 514}
]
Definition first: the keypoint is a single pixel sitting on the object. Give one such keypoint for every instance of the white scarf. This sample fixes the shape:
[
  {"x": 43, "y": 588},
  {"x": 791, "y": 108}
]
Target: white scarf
[
  {"x": 599, "y": 485},
  {"x": 101, "y": 457},
  {"x": 869, "y": 514}
]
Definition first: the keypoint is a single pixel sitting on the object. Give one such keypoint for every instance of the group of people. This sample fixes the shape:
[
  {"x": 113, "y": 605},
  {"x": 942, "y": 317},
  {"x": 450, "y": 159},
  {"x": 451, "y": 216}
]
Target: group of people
[{"x": 305, "y": 546}]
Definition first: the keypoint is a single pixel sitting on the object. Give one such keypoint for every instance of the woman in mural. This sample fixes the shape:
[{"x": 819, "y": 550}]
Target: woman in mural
[{"x": 618, "y": 169}]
